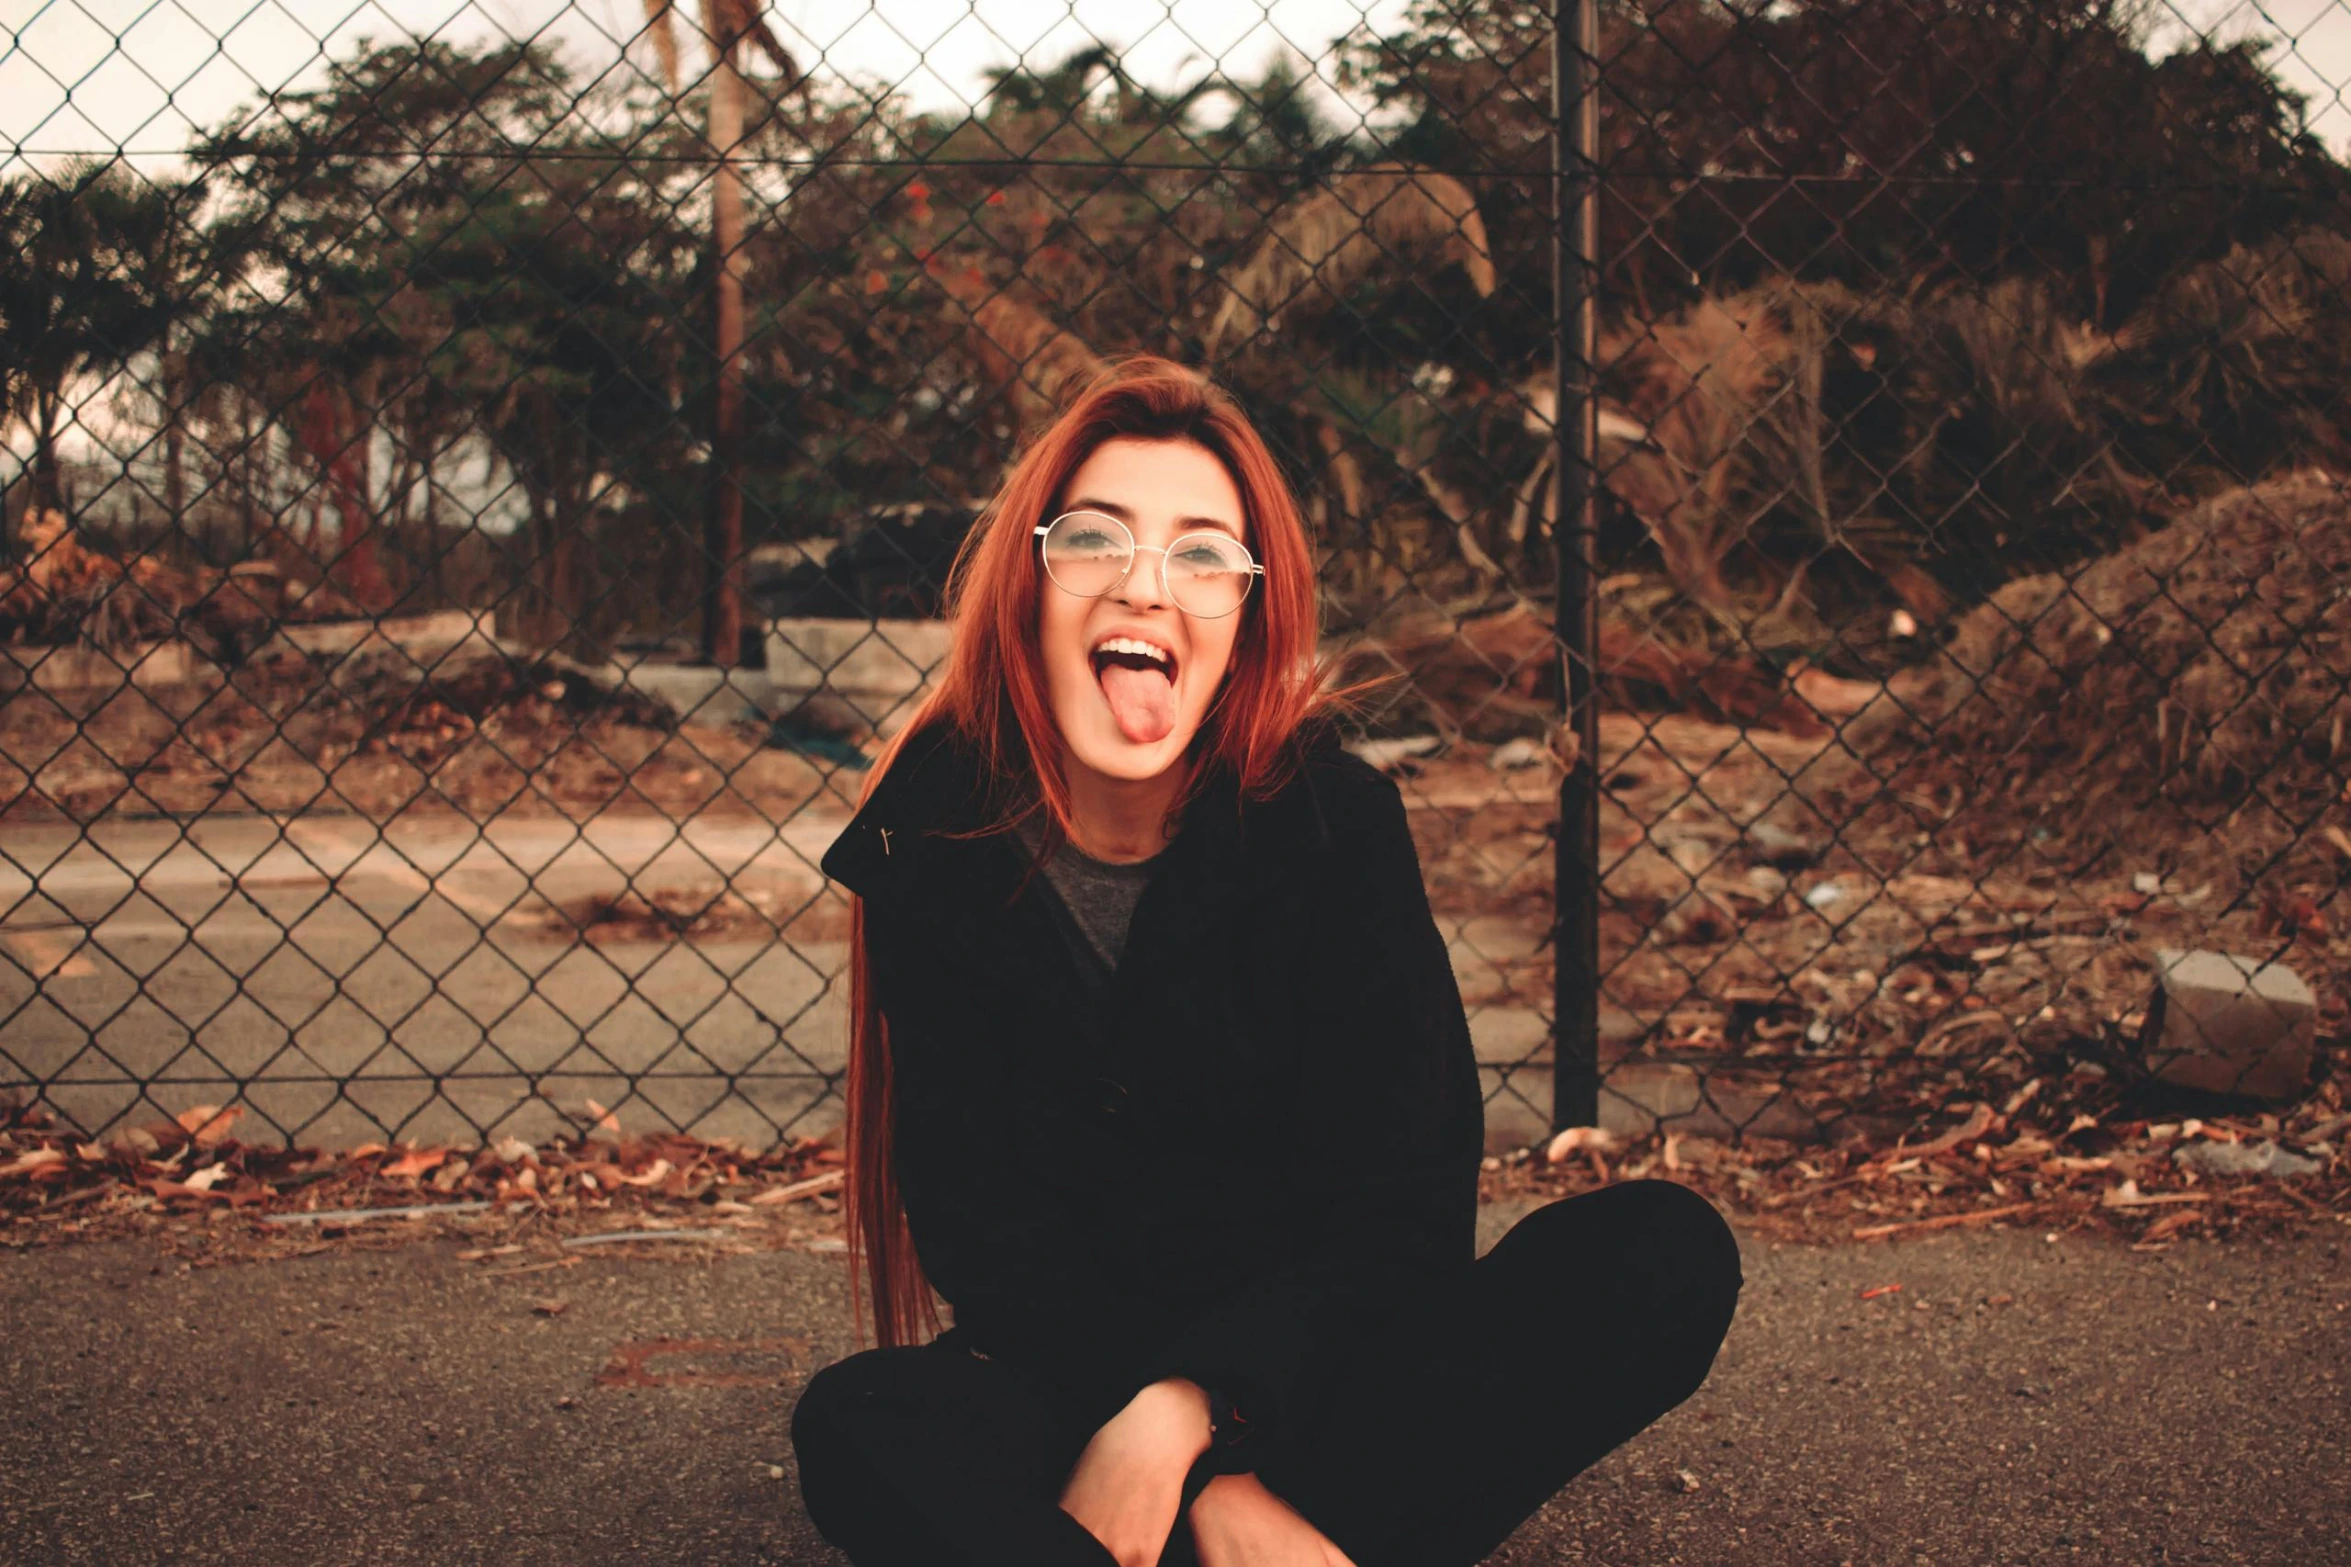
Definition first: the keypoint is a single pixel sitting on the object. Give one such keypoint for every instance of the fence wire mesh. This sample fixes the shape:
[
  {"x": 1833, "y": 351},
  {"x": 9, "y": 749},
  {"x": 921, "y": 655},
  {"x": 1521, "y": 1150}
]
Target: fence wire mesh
[{"x": 480, "y": 484}]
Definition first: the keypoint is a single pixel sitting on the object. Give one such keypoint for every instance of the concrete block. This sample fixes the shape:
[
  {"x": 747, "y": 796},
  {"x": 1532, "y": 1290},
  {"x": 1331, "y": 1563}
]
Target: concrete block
[
  {"x": 856, "y": 673},
  {"x": 1510, "y": 1036},
  {"x": 701, "y": 694},
  {"x": 44, "y": 667},
  {"x": 2229, "y": 1024},
  {"x": 1638, "y": 1098},
  {"x": 856, "y": 657},
  {"x": 1641, "y": 1097}
]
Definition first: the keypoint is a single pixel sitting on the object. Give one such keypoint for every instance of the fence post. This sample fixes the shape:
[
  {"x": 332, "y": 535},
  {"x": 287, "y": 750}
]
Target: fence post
[{"x": 1575, "y": 278}]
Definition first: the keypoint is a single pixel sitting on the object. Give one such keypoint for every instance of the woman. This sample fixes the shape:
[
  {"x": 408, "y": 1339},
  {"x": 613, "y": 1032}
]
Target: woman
[{"x": 1159, "y": 1075}]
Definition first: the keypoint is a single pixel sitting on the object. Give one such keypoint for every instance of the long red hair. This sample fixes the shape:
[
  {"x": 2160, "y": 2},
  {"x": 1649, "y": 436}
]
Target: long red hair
[{"x": 992, "y": 693}]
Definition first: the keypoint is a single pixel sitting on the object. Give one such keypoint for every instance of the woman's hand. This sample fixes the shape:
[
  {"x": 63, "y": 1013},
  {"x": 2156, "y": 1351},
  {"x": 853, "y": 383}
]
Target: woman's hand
[
  {"x": 1237, "y": 1522},
  {"x": 1128, "y": 1484}
]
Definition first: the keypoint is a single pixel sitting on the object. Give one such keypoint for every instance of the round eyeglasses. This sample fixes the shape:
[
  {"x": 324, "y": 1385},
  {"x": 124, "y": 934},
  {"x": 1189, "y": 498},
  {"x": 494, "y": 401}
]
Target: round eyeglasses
[{"x": 1205, "y": 574}]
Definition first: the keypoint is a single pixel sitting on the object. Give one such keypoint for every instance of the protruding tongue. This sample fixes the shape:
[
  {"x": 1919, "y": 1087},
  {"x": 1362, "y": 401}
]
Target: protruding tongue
[{"x": 1142, "y": 700}]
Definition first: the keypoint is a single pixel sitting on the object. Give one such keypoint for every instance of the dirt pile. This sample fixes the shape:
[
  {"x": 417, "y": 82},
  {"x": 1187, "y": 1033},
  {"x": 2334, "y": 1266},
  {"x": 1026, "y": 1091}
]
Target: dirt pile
[
  {"x": 1493, "y": 673},
  {"x": 2185, "y": 701},
  {"x": 379, "y": 734}
]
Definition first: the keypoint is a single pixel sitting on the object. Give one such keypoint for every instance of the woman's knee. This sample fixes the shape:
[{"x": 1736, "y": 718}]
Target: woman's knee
[
  {"x": 829, "y": 1405},
  {"x": 824, "y": 1403},
  {"x": 1660, "y": 1247}
]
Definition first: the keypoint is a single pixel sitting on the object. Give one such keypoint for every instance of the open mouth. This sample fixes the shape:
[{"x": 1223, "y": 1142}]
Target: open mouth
[{"x": 1138, "y": 681}]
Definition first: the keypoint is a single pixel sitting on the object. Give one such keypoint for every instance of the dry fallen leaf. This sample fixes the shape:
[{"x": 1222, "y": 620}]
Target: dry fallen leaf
[
  {"x": 206, "y": 1125},
  {"x": 605, "y": 1120},
  {"x": 136, "y": 1142},
  {"x": 2128, "y": 1195},
  {"x": 1577, "y": 1139},
  {"x": 807, "y": 1188},
  {"x": 1979, "y": 1121},
  {"x": 653, "y": 1173},
  {"x": 207, "y": 1178},
  {"x": 38, "y": 1159},
  {"x": 419, "y": 1162}
]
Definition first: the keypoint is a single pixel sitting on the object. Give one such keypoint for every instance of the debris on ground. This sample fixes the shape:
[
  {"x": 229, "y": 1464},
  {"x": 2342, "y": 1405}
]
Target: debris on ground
[
  {"x": 476, "y": 732},
  {"x": 1796, "y": 969},
  {"x": 737, "y": 912},
  {"x": 2261, "y": 1158},
  {"x": 1490, "y": 673},
  {"x": 65, "y": 592},
  {"x": 2121, "y": 1177},
  {"x": 2184, "y": 703},
  {"x": 190, "y": 1174},
  {"x": 191, "y": 1181}
]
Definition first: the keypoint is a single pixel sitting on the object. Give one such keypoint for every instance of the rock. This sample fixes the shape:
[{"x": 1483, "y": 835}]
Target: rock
[
  {"x": 2228, "y": 1024},
  {"x": 1576, "y": 1139},
  {"x": 1697, "y": 920},
  {"x": 1514, "y": 754},
  {"x": 1776, "y": 845},
  {"x": 2262, "y": 1158},
  {"x": 1385, "y": 754}
]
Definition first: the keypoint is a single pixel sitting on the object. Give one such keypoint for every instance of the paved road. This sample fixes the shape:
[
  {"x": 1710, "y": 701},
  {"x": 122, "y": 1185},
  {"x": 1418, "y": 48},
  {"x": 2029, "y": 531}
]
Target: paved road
[
  {"x": 2180, "y": 1407},
  {"x": 336, "y": 966},
  {"x": 299, "y": 952}
]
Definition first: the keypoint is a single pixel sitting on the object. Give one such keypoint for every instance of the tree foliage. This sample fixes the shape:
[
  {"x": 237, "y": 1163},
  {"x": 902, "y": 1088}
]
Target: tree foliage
[{"x": 1900, "y": 297}]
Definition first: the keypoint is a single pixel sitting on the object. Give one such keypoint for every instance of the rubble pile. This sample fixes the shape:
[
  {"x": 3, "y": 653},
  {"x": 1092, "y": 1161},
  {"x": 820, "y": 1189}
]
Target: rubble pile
[
  {"x": 380, "y": 733},
  {"x": 1490, "y": 673},
  {"x": 63, "y": 593},
  {"x": 2184, "y": 703}
]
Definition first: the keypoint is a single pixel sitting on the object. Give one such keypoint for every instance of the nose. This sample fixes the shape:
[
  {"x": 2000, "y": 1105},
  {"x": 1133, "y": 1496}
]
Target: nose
[{"x": 1146, "y": 582}]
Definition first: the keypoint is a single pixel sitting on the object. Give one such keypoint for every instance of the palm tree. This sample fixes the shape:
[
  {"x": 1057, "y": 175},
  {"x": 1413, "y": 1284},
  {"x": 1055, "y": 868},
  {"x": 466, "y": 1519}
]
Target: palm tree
[{"x": 726, "y": 26}]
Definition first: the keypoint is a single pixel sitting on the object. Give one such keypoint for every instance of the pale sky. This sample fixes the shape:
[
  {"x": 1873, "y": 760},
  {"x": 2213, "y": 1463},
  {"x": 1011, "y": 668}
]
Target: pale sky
[
  {"x": 137, "y": 76},
  {"x": 104, "y": 77},
  {"x": 2312, "y": 55}
]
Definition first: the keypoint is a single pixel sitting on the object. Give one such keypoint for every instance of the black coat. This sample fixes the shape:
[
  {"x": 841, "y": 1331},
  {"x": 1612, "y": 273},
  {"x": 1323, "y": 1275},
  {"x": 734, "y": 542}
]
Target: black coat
[{"x": 1223, "y": 1169}]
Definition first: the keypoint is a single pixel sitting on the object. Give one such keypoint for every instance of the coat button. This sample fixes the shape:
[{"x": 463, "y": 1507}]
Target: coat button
[{"x": 1110, "y": 1099}]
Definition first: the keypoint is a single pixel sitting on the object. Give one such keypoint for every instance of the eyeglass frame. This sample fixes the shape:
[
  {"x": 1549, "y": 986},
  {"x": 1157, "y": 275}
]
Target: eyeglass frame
[{"x": 1256, "y": 568}]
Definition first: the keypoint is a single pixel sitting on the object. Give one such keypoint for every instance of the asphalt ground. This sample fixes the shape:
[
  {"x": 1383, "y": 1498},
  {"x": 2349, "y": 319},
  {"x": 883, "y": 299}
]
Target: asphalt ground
[
  {"x": 324, "y": 968},
  {"x": 2017, "y": 1399}
]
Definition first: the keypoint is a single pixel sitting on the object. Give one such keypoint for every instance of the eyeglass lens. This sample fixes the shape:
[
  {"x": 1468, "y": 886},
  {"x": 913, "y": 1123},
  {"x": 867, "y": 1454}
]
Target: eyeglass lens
[{"x": 1207, "y": 574}]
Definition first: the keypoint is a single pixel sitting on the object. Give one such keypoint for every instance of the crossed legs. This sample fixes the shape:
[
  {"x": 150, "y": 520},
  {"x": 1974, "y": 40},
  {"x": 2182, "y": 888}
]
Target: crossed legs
[{"x": 1591, "y": 1318}]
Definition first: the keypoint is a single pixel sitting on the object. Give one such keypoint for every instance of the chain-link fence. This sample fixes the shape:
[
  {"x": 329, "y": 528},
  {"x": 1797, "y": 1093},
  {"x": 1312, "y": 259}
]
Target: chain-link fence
[{"x": 480, "y": 484}]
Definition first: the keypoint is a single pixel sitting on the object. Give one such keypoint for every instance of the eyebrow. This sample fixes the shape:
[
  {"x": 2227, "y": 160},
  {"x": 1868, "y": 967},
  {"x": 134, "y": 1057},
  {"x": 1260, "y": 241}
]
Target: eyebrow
[{"x": 1126, "y": 514}]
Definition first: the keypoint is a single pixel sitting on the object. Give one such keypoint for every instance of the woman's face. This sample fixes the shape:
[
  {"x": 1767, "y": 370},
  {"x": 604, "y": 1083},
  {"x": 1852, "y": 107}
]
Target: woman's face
[{"x": 1131, "y": 717}]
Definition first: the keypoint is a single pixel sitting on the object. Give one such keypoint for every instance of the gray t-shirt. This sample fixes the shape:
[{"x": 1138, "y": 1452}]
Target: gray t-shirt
[{"x": 1100, "y": 896}]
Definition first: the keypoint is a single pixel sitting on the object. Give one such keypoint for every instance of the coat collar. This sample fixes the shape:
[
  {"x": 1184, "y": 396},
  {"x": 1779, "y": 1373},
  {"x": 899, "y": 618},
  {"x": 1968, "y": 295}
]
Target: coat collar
[{"x": 909, "y": 837}]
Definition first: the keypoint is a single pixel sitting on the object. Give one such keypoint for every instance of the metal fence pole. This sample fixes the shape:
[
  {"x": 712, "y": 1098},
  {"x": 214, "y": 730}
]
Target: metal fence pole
[{"x": 1575, "y": 144}]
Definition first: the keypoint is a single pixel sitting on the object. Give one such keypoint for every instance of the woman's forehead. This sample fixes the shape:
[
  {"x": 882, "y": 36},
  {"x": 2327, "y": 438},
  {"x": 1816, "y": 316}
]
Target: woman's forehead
[{"x": 1177, "y": 483}]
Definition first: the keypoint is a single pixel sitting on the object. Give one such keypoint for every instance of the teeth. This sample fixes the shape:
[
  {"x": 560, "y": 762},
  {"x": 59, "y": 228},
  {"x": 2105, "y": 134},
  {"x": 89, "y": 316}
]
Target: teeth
[{"x": 1132, "y": 645}]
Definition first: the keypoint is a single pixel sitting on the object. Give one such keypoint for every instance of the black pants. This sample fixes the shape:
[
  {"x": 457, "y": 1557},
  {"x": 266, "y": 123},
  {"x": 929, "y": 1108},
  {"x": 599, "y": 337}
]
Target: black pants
[{"x": 1595, "y": 1315}]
